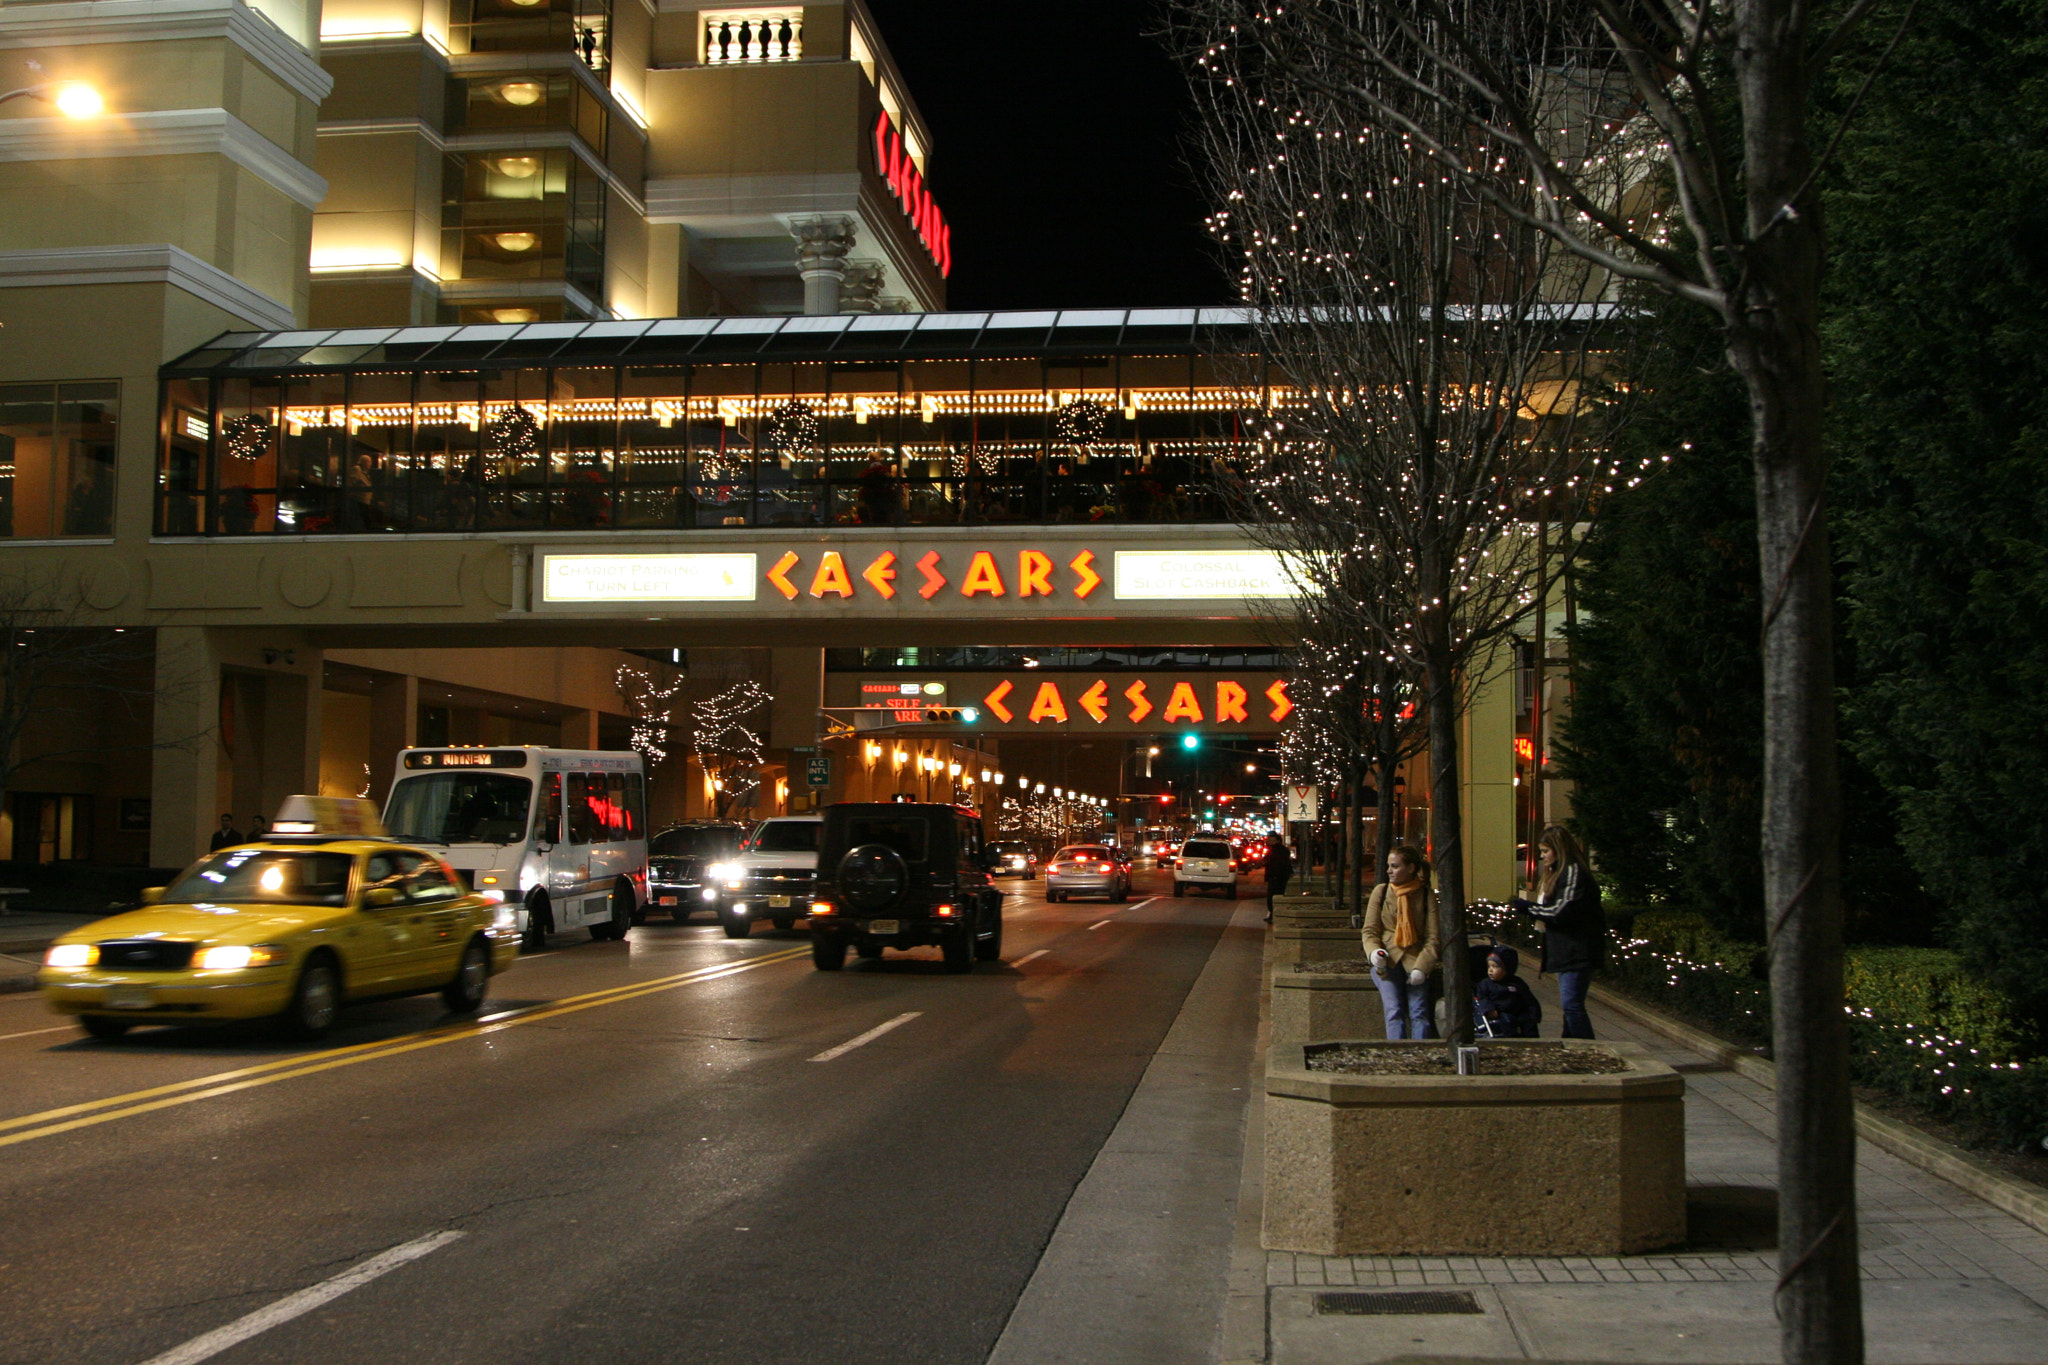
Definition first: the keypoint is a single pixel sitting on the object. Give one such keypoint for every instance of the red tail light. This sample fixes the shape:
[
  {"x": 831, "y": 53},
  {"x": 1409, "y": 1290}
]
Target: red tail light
[{"x": 1106, "y": 867}]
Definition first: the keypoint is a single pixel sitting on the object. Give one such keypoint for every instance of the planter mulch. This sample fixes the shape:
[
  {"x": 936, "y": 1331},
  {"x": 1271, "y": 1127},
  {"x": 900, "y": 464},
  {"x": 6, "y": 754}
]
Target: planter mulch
[
  {"x": 1348, "y": 966},
  {"x": 1433, "y": 1059}
]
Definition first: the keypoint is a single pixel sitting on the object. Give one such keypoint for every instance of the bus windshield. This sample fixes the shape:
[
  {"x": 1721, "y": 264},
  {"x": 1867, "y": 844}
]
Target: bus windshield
[{"x": 460, "y": 808}]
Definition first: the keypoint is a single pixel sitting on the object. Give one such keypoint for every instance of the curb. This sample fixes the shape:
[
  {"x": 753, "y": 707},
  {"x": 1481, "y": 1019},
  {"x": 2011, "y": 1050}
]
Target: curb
[
  {"x": 2028, "y": 1203},
  {"x": 1242, "y": 1338}
]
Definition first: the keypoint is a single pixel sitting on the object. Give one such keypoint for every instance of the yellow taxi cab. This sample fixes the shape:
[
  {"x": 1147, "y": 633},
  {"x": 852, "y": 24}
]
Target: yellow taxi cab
[{"x": 325, "y": 910}]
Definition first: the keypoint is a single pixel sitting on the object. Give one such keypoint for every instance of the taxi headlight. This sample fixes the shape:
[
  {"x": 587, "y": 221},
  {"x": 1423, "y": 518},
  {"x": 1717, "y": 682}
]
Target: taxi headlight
[
  {"x": 72, "y": 955},
  {"x": 508, "y": 917},
  {"x": 232, "y": 957}
]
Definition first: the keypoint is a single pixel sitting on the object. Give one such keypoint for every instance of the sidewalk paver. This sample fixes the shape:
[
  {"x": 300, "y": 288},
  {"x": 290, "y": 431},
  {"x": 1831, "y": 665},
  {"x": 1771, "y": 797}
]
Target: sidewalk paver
[{"x": 1948, "y": 1279}]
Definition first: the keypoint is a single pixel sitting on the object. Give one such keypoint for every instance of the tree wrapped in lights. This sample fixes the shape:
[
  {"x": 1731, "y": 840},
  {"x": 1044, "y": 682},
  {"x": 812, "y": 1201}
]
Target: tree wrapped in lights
[
  {"x": 1357, "y": 715},
  {"x": 1598, "y": 126},
  {"x": 652, "y": 704},
  {"x": 1435, "y": 383},
  {"x": 727, "y": 750}
]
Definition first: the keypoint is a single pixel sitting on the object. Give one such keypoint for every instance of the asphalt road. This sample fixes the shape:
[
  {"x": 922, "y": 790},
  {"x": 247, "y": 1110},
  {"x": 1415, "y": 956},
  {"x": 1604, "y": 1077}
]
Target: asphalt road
[{"x": 635, "y": 1156}]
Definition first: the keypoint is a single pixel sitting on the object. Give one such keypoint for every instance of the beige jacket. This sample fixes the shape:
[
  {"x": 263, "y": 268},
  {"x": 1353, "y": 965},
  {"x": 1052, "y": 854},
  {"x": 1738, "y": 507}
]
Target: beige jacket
[{"x": 1383, "y": 919}]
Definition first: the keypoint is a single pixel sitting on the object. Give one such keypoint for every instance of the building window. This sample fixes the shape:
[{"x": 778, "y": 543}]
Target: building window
[
  {"x": 527, "y": 101},
  {"x": 584, "y": 27},
  {"x": 533, "y": 214},
  {"x": 57, "y": 449},
  {"x": 47, "y": 827},
  {"x": 753, "y": 35}
]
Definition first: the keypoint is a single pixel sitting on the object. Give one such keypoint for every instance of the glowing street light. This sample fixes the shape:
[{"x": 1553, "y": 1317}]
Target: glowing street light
[{"x": 74, "y": 99}]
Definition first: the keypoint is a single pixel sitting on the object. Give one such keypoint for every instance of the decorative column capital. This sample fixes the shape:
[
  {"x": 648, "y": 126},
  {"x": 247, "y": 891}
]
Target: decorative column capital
[
  {"x": 862, "y": 290},
  {"x": 822, "y": 244}
]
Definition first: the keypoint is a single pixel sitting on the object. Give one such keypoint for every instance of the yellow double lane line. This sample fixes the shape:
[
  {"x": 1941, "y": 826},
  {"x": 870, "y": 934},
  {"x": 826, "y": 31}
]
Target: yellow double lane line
[{"x": 50, "y": 1122}]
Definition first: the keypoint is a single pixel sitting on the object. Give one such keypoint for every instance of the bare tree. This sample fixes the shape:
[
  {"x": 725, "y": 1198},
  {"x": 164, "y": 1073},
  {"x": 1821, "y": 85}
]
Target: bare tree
[
  {"x": 62, "y": 682},
  {"x": 1435, "y": 385},
  {"x": 1590, "y": 122}
]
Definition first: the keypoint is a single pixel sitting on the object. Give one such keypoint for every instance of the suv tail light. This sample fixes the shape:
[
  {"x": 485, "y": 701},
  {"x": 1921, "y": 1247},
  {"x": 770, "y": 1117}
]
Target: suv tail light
[
  {"x": 823, "y": 908},
  {"x": 943, "y": 911}
]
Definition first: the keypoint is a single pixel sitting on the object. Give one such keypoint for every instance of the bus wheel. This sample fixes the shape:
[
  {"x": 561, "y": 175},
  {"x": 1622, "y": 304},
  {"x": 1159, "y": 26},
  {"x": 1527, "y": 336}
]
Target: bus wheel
[{"x": 539, "y": 920}]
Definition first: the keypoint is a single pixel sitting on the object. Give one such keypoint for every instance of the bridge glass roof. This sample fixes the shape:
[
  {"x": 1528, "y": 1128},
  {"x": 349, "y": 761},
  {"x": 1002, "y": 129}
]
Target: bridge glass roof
[{"x": 661, "y": 341}]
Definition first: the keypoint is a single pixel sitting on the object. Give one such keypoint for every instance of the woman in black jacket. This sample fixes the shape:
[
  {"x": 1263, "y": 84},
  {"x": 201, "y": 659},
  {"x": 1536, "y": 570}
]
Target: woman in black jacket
[{"x": 1567, "y": 903}]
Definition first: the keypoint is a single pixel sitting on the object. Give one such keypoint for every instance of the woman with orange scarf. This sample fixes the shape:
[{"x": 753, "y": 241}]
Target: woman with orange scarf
[{"x": 1400, "y": 937}]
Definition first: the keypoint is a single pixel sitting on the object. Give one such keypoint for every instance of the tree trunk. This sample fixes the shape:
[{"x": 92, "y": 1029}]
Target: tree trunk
[
  {"x": 1354, "y": 841},
  {"x": 1447, "y": 846},
  {"x": 1389, "y": 813},
  {"x": 1774, "y": 344}
]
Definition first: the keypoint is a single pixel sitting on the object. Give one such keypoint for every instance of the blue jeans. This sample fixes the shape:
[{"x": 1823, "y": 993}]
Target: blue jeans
[
  {"x": 1571, "y": 1000},
  {"x": 1407, "y": 1006}
]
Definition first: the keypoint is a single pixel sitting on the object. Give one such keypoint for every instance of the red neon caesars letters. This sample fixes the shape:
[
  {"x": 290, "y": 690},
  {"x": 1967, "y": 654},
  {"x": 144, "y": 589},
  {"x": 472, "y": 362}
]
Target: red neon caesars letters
[{"x": 893, "y": 162}]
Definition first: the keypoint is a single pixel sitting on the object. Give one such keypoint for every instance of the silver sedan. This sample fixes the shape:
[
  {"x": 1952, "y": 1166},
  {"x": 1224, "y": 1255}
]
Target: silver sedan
[{"x": 1087, "y": 870}]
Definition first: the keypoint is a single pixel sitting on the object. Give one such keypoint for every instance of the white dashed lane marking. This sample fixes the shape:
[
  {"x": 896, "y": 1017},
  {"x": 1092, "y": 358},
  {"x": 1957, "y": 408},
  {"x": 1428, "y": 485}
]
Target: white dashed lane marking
[
  {"x": 877, "y": 1031},
  {"x": 1031, "y": 957},
  {"x": 303, "y": 1302}
]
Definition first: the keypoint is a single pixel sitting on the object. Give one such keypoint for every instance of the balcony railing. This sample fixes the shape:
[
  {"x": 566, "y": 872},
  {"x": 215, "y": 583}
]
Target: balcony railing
[{"x": 732, "y": 37}]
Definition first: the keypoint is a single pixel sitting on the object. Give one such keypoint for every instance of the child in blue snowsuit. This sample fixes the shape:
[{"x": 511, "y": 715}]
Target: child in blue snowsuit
[{"x": 1503, "y": 1006}]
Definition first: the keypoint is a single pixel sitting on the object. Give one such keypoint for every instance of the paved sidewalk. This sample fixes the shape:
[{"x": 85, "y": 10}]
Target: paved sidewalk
[{"x": 1947, "y": 1278}]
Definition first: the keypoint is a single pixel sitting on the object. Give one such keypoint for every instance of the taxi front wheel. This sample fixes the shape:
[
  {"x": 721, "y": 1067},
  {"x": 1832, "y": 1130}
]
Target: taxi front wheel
[
  {"x": 314, "y": 1000},
  {"x": 465, "y": 993}
]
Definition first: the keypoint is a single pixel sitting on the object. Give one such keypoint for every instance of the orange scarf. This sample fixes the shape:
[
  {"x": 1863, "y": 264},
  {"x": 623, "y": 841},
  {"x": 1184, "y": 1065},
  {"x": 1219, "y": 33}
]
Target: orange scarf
[{"x": 1408, "y": 927}]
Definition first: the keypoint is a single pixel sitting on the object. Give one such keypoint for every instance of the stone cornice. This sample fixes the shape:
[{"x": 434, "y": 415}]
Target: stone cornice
[
  {"x": 145, "y": 21},
  {"x": 154, "y": 263},
  {"x": 165, "y": 132}
]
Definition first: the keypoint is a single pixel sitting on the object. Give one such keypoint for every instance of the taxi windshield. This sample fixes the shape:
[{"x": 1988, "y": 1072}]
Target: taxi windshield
[
  {"x": 460, "y": 808},
  {"x": 263, "y": 876}
]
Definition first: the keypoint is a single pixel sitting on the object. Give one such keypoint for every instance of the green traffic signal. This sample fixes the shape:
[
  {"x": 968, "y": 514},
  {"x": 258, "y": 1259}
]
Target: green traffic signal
[{"x": 1190, "y": 741}]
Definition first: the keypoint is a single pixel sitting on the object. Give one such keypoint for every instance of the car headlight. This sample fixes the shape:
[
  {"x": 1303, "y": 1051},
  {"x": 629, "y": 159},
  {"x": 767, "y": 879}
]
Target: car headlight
[
  {"x": 231, "y": 958},
  {"x": 72, "y": 955},
  {"x": 730, "y": 873},
  {"x": 507, "y": 917}
]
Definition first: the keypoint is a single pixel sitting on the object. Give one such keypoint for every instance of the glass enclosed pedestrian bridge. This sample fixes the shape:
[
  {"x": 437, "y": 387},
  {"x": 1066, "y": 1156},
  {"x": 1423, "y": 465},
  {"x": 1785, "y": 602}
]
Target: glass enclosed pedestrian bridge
[{"x": 861, "y": 419}]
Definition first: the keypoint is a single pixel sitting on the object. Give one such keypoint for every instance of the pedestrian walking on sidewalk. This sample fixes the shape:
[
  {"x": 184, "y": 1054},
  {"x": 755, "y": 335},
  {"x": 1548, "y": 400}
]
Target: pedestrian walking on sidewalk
[
  {"x": 227, "y": 836},
  {"x": 1279, "y": 867},
  {"x": 1400, "y": 937},
  {"x": 1565, "y": 900}
]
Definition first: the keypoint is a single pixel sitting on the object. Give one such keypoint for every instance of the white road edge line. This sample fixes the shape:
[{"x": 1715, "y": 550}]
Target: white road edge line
[
  {"x": 1098, "y": 924},
  {"x": 1031, "y": 957},
  {"x": 850, "y": 1044},
  {"x": 305, "y": 1301},
  {"x": 30, "y": 1033}
]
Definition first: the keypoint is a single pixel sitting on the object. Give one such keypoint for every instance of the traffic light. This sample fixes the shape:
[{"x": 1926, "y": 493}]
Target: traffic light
[
  {"x": 1191, "y": 741},
  {"x": 951, "y": 715}
]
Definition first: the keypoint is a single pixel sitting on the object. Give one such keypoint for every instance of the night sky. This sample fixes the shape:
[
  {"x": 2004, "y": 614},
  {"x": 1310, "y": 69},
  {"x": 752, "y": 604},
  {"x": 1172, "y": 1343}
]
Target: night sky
[{"x": 1058, "y": 158}]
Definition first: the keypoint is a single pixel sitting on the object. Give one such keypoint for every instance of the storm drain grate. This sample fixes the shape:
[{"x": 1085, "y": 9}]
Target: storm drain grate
[{"x": 1413, "y": 1303}]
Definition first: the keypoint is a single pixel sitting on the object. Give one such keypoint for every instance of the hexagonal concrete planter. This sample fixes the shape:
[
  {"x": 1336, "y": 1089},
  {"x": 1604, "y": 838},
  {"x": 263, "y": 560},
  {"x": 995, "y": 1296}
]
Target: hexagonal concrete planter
[
  {"x": 1474, "y": 1165},
  {"x": 1314, "y": 1006}
]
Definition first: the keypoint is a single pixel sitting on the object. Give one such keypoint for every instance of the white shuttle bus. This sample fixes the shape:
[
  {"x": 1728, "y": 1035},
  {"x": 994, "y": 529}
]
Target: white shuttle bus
[{"x": 561, "y": 834}]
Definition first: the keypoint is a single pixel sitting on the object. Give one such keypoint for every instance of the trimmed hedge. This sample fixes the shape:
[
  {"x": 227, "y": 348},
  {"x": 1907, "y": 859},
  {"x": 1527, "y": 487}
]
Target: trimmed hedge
[{"x": 1921, "y": 1027}]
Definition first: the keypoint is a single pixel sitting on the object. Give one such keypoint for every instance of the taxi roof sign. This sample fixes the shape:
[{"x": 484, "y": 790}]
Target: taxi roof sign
[{"x": 345, "y": 816}]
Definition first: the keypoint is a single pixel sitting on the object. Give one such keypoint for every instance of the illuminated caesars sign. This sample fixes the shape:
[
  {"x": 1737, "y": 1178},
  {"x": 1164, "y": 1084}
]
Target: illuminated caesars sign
[
  {"x": 937, "y": 576},
  {"x": 907, "y": 185},
  {"x": 1184, "y": 702},
  {"x": 905, "y": 701}
]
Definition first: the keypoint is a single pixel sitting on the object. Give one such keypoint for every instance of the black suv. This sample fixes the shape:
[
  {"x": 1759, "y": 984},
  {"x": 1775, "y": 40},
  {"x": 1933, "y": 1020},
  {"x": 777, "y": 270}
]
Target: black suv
[
  {"x": 679, "y": 857},
  {"x": 903, "y": 875}
]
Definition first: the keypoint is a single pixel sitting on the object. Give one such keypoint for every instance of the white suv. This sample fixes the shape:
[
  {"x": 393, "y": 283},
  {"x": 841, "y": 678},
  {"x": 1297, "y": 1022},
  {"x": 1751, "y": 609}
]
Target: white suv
[
  {"x": 1206, "y": 863},
  {"x": 770, "y": 877}
]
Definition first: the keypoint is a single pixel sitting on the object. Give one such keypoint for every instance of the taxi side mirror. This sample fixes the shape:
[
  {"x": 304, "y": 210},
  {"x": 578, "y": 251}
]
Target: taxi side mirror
[
  {"x": 381, "y": 897},
  {"x": 151, "y": 895}
]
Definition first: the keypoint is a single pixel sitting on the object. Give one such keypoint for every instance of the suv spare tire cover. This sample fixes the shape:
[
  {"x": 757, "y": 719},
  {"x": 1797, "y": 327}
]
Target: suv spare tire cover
[{"x": 873, "y": 877}]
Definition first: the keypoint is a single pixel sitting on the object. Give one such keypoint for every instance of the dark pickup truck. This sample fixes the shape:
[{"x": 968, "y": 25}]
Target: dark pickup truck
[{"x": 903, "y": 875}]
